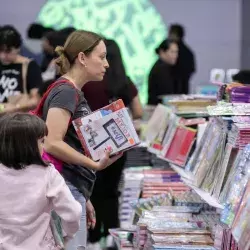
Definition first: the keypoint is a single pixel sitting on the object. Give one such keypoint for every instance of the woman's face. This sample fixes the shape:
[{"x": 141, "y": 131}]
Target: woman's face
[
  {"x": 170, "y": 55},
  {"x": 96, "y": 63}
]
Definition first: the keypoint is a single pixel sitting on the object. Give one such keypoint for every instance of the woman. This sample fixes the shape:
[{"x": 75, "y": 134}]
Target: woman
[
  {"x": 115, "y": 85},
  {"x": 20, "y": 77},
  {"x": 81, "y": 59},
  {"x": 162, "y": 80},
  {"x": 25, "y": 176}
]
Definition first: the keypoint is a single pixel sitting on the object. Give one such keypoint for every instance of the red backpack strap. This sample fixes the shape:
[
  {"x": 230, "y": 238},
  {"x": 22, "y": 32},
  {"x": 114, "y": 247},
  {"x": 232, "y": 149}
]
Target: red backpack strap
[{"x": 39, "y": 109}]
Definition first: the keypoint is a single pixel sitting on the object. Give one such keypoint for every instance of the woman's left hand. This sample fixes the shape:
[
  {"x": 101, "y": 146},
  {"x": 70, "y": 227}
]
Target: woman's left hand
[{"x": 91, "y": 218}]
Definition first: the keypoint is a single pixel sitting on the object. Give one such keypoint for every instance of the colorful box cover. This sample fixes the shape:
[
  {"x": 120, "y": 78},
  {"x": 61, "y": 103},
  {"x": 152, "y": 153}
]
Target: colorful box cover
[{"x": 108, "y": 128}]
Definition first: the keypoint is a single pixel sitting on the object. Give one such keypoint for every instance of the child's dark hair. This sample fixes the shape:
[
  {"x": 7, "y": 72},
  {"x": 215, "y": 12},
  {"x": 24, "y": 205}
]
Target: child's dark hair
[
  {"x": 9, "y": 38},
  {"x": 19, "y": 135}
]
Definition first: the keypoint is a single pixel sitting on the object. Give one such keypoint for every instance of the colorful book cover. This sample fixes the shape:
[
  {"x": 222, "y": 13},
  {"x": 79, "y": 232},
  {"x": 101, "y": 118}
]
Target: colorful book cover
[
  {"x": 181, "y": 145},
  {"x": 108, "y": 128}
]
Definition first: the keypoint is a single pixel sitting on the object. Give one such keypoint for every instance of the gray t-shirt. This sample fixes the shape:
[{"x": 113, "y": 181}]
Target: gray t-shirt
[{"x": 67, "y": 97}]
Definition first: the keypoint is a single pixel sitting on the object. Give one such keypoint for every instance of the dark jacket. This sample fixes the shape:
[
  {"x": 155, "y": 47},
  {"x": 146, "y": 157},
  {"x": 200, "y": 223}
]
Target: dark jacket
[{"x": 160, "y": 82}]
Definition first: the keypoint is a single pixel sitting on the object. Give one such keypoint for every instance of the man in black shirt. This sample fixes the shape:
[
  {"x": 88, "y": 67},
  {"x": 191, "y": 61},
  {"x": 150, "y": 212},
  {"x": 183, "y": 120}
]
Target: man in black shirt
[
  {"x": 185, "y": 65},
  {"x": 20, "y": 77}
]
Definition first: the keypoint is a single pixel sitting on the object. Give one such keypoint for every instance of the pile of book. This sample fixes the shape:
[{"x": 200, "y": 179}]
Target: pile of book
[
  {"x": 172, "y": 207},
  {"x": 170, "y": 227},
  {"x": 225, "y": 108},
  {"x": 138, "y": 156},
  {"x": 224, "y": 92},
  {"x": 131, "y": 189},
  {"x": 160, "y": 181},
  {"x": 122, "y": 236},
  {"x": 234, "y": 93},
  {"x": 194, "y": 107}
]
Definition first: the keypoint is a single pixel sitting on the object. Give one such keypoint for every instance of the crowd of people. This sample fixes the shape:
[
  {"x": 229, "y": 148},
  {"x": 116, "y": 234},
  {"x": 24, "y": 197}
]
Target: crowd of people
[{"x": 62, "y": 75}]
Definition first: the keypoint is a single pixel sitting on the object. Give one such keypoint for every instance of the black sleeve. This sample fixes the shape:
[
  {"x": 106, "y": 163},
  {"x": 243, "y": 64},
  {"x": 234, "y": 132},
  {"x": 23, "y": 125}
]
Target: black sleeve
[
  {"x": 152, "y": 88},
  {"x": 64, "y": 97},
  {"x": 34, "y": 76},
  {"x": 193, "y": 63}
]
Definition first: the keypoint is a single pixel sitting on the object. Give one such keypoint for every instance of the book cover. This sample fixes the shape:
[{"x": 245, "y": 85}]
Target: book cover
[
  {"x": 181, "y": 145},
  {"x": 109, "y": 127}
]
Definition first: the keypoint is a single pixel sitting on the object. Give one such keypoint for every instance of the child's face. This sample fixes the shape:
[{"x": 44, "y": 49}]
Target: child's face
[{"x": 40, "y": 145}]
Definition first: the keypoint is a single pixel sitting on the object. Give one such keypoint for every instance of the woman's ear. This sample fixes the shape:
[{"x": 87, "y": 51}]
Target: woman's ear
[{"x": 82, "y": 58}]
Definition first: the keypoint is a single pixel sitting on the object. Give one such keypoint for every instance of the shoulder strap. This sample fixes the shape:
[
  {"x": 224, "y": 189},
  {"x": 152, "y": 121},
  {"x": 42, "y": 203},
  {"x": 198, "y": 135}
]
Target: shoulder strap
[
  {"x": 39, "y": 109},
  {"x": 25, "y": 65}
]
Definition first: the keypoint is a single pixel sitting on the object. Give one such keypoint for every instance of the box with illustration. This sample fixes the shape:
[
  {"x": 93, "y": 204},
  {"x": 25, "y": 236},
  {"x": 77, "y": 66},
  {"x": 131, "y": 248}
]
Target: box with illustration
[{"x": 107, "y": 128}]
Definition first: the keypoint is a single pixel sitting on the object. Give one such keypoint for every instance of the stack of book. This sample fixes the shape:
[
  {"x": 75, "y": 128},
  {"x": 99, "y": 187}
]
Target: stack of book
[
  {"x": 121, "y": 237},
  {"x": 194, "y": 107},
  {"x": 175, "y": 227},
  {"x": 137, "y": 157},
  {"x": 240, "y": 94},
  {"x": 159, "y": 181},
  {"x": 131, "y": 190}
]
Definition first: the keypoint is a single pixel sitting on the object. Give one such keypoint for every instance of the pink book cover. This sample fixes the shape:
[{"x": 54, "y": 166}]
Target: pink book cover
[{"x": 181, "y": 145}]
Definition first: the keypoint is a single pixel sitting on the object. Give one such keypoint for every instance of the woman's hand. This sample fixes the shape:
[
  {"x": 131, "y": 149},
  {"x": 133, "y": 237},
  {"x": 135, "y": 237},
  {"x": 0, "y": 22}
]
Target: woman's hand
[
  {"x": 106, "y": 160},
  {"x": 90, "y": 212}
]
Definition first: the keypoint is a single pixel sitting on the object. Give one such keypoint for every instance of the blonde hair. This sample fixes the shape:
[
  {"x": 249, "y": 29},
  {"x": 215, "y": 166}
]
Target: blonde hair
[{"x": 78, "y": 41}]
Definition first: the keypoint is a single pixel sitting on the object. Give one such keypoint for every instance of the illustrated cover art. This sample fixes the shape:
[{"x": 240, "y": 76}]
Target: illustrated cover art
[{"x": 110, "y": 127}]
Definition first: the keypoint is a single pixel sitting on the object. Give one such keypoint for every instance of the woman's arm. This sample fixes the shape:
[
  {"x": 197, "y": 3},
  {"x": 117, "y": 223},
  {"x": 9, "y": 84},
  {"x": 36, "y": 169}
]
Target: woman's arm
[
  {"x": 136, "y": 107},
  {"x": 57, "y": 122}
]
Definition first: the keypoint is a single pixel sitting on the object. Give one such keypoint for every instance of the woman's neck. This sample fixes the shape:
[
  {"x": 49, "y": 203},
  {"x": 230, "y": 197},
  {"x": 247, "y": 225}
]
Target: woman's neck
[{"x": 79, "y": 80}]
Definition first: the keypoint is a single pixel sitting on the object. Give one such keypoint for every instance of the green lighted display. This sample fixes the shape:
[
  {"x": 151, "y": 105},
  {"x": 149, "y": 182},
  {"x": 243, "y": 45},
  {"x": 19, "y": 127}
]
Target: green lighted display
[{"x": 134, "y": 24}]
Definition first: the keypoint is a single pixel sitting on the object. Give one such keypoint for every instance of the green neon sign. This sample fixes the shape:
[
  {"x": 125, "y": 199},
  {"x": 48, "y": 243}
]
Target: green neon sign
[{"x": 134, "y": 24}]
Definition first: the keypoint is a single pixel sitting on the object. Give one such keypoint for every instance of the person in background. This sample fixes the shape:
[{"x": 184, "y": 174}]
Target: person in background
[
  {"x": 243, "y": 76},
  {"x": 25, "y": 176},
  {"x": 115, "y": 85},
  {"x": 32, "y": 45},
  {"x": 50, "y": 41},
  {"x": 161, "y": 80},
  {"x": 81, "y": 59},
  {"x": 20, "y": 77},
  {"x": 185, "y": 65}
]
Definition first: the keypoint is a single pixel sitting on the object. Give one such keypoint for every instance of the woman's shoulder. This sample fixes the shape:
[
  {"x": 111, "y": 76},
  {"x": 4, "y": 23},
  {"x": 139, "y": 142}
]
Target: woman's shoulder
[{"x": 63, "y": 86}]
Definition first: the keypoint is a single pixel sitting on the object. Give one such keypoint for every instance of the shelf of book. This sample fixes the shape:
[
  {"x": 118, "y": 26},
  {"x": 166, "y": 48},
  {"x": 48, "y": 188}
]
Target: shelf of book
[
  {"x": 204, "y": 195},
  {"x": 188, "y": 179},
  {"x": 181, "y": 171}
]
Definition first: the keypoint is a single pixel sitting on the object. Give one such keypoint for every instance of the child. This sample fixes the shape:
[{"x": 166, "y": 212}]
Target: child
[{"x": 30, "y": 189}]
